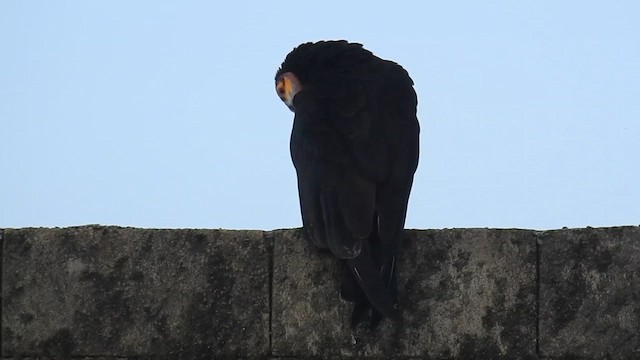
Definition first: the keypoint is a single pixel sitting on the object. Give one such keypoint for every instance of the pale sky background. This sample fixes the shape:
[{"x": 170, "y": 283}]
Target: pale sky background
[{"x": 163, "y": 114}]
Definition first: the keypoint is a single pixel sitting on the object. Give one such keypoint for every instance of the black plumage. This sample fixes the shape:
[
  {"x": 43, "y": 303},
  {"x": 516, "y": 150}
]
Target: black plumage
[{"x": 354, "y": 145}]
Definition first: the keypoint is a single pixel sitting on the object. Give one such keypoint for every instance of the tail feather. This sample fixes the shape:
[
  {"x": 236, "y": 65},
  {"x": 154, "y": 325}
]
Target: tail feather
[{"x": 370, "y": 279}]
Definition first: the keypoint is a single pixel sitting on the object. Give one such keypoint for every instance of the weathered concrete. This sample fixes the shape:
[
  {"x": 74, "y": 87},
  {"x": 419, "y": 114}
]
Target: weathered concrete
[
  {"x": 126, "y": 292},
  {"x": 590, "y": 293},
  {"x": 464, "y": 293},
  {"x": 123, "y": 293}
]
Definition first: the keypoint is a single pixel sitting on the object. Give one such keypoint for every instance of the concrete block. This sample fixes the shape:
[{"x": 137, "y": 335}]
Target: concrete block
[
  {"x": 590, "y": 293},
  {"x": 467, "y": 293},
  {"x": 123, "y": 292}
]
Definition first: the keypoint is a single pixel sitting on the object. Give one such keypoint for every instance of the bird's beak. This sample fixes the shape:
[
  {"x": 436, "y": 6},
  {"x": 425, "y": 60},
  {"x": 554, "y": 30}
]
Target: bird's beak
[{"x": 287, "y": 86}]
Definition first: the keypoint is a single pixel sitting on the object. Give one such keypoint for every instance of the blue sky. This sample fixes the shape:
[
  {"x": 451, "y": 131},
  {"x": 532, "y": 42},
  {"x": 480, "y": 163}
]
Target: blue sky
[{"x": 163, "y": 114}]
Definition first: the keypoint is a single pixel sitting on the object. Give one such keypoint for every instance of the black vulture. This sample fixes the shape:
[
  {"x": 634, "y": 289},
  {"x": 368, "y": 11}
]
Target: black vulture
[{"x": 354, "y": 144}]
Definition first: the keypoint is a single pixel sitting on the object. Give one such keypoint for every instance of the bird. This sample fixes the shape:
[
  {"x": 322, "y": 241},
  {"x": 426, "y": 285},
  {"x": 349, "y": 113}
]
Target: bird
[{"x": 355, "y": 147}]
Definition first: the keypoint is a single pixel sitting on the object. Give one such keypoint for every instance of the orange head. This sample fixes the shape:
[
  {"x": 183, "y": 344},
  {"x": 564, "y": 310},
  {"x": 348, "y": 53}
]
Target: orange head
[{"x": 287, "y": 86}]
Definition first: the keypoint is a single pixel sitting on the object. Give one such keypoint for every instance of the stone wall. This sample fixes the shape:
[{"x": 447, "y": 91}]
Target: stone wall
[{"x": 123, "y": 293}]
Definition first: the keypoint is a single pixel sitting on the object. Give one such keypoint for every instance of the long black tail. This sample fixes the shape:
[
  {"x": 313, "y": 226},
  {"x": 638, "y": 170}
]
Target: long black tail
[{"x": 370, "y": 283}]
